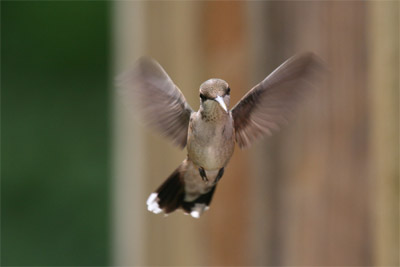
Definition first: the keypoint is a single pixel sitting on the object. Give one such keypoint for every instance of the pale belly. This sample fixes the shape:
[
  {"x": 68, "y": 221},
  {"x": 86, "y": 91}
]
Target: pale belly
[
  {"x": 210, "y": 157},
  {"x": 211, "y": 149},
  {"x": 194, "y": 184}
]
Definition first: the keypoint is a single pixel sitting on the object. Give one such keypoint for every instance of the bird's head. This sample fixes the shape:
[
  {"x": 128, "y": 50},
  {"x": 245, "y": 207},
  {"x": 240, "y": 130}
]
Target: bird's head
[{"x": 215, "y": 93}]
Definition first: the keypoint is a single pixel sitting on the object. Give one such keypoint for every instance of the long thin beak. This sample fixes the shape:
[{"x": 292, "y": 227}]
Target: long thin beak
[{"x": 221, "y": 102}]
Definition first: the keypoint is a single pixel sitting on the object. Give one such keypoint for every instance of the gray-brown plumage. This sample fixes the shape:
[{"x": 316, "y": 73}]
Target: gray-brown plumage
[
  {"x": 160, "y": 100},
  {"x": 211, "y": 132},
  {"x": 267, "y": 105}
]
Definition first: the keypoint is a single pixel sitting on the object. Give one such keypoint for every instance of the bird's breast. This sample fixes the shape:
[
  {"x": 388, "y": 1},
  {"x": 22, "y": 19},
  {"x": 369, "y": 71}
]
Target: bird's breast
[{"x": 210, "y": 144}]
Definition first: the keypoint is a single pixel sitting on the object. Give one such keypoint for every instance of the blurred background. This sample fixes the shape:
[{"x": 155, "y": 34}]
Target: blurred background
[{"x": 78, "y": 165}]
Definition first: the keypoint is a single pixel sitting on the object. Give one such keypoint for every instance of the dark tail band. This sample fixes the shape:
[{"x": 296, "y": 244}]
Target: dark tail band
[{"x": 171, "y": 194}]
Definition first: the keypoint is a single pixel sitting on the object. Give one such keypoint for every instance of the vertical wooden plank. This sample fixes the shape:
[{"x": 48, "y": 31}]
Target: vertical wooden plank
[
  {"x": 128, "y": 192},
  {"x": 383, "y": 85},
  {"x": 347, "y": 177},
  {"x": 260, "y": 229},
  {"x": 285, "y": 210},
  {"x": 315, "y": 169},
  {"x": 172, "y": 38},
  {"x": 226, "y": 55}
]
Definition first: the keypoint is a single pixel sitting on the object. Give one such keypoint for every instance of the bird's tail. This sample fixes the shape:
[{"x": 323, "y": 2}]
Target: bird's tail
[{"x": 171, "y": 196}]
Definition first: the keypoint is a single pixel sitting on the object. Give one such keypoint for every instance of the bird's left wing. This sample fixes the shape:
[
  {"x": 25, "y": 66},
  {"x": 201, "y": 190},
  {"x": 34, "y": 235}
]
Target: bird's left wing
[
  {"x": 158, "y": 98},
  {"x": 266, "y": 107}
]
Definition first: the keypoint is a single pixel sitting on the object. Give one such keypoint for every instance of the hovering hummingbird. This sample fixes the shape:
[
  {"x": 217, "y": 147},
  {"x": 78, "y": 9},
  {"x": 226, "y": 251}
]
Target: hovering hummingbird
[{"x": 211, "y": 132}]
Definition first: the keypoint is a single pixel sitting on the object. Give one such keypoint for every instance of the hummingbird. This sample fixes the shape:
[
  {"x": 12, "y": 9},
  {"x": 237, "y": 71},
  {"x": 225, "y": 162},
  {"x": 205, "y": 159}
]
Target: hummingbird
[{"x": 210, "y": 134}]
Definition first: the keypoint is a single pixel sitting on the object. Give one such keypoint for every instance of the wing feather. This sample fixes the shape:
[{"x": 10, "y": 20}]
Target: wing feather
[
  {"x": 156, "y": 96},
  {"x": 267, "y": 106}
]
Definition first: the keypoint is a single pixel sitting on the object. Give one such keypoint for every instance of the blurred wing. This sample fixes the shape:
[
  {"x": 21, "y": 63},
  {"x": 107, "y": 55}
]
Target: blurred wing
[
  {"x": 158, "y": 98},
  {"x": 267, "y": 106}
]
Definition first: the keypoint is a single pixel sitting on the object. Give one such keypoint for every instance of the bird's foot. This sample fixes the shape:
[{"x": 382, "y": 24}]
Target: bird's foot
[
  {"x": 203, "y": 174},
  {"x": 219, "y": 175}
]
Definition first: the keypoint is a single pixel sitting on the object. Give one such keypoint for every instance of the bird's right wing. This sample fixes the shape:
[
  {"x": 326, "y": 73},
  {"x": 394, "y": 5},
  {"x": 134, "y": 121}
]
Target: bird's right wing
[
  {"x": 267, "y": 106},
  {"x": 158, "y": 98}
]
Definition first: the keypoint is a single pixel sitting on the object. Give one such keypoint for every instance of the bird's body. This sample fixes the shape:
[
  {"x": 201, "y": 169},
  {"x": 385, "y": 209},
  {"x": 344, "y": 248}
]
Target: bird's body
[
  {"x": 210, "y": 146},
  {"x": 211, "y": 142},
  {"x": 210, "y": 133}
]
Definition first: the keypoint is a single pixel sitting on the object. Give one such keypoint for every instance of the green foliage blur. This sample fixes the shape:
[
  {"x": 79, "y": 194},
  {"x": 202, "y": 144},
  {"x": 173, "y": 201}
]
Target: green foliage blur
[{"x": 55, "y": 133}]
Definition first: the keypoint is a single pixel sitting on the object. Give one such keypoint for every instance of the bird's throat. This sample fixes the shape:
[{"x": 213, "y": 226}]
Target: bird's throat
[{"x": 213, "y": 112}]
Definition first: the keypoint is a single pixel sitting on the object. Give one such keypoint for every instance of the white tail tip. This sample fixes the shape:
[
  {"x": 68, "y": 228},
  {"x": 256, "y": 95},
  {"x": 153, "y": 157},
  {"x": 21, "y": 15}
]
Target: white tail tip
[
  {"x": 152, "y": 204},
  {"x": 197, "y": 210}
]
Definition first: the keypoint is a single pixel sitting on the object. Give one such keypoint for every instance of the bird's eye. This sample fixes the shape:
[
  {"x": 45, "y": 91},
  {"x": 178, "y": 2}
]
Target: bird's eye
[
  {"x": 228, "y": 91},
  {"x": 203, "y": 97}
]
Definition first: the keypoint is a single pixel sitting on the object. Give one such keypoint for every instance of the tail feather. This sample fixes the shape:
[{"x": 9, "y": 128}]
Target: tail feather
[
  {"x": 171, "y": 193},
  {"x": 171, "y": 196}
]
